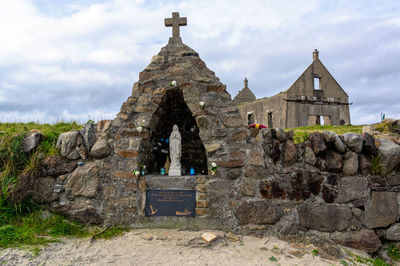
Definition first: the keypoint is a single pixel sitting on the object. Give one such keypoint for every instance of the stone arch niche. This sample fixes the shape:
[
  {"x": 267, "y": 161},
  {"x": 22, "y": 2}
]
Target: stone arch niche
[{"x": 173, "y": 110}]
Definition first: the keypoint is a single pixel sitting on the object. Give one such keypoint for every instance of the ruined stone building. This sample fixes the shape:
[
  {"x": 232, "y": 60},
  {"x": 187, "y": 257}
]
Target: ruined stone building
[{"x": 313, "y": 97}]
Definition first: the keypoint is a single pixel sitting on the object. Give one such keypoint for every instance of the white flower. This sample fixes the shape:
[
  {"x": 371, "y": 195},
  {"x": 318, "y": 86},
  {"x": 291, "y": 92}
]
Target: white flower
[
  {"x": 139, "y": 129},
  {"x": 213, "y": 165},
  {"x": 137, "y": 172},
  {"x": 202, "y": 104},
  {"x": 173, "y": 83}
]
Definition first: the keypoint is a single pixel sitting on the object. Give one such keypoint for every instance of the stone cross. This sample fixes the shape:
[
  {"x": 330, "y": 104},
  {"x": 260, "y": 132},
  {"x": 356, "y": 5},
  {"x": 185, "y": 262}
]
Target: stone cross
[
  {"x": 175, "y": 22},
  {"x": 246, "y": 82}
]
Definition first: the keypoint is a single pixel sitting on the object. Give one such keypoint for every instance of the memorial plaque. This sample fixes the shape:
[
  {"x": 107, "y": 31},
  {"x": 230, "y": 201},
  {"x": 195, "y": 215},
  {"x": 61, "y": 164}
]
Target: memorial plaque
[{"x": 163, "y": 202}]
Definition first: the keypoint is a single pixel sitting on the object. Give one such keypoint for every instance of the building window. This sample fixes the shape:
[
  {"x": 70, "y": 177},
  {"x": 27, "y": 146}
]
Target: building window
[
  {"x": 250, "y": 119},
  {"x": 317, "y": 84}
]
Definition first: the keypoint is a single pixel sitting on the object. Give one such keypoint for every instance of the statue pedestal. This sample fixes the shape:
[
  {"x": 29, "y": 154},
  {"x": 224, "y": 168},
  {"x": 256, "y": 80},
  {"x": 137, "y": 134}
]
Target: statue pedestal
[{"x": 174, "y": 171}]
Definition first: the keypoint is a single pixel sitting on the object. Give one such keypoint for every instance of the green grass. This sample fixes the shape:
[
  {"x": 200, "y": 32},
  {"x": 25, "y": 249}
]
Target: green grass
[
  {"x": 357, "y": 259},
  {"x": 393, "y": 252},
  {"x": 301, "y": 133}
]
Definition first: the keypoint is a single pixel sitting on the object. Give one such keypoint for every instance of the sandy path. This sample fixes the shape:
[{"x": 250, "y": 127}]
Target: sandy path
[{"x": 167, "y": 247}]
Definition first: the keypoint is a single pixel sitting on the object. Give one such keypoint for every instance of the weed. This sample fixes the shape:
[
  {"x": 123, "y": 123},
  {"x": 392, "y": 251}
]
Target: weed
[
  {"x": 376, "y": 167},
  {"x": 272, "y": 258},
  {"x": 110, "y": 232},
  {"x": 393, "y": 252},
  {"x": 314, "y": 252},
  {"x": 275, "y": 247},
  {"x": 344, "y": 263}
]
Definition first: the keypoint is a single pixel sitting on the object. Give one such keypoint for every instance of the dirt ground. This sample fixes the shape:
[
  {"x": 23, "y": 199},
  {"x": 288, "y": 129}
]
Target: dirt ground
[{"x": 170, "y": 247}]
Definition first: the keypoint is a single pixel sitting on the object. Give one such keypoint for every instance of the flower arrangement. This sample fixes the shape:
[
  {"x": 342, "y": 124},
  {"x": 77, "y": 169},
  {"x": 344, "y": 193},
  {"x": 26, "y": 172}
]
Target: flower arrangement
[
  {"x": 173, "y": 84},
  {"x": 136, "y": 172},
  {"x": 214, "y": 168},
  {"x": 202, "y": 105}
]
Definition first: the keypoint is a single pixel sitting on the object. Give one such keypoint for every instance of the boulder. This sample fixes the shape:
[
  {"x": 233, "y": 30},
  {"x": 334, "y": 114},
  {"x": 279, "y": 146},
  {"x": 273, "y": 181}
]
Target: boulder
[
  {"x": 66, "y": 142},
  {"x": 257, "y": 212},
  {"x": 31, "y": 141},
  {"x": 339, "y": 146},
  {"x": 326, "y": 218},
  {"x": 369, "y": 147},
  {"x": 352, "y": 188},
  {"x": 329, "y": 136},
  {"x": 43, "y": 190},
  {"x": 88, "y": 133},
  {"x": 393, "y": 232},
  {"x": 389, "y": 154},
  {"x": 309, "y": 156},
  {"x": 101, "y": 148},
  {"x": 364, "y": 239},
  {"x": 353, "y": 141},
  {"x": 279, "y": 134},
  {"x": 84, "y": 181},
  {"x": 317, "y": 142},
  {"x": 289, "y": 153},
  {"x": 382, "y": 211},
  {"x": 350, "y": 163},
  {"x": 333, "y": 161}
]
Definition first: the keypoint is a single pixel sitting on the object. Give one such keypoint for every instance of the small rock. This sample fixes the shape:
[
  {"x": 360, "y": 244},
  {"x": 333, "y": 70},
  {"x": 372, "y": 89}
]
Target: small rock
[
  {"x": 357, "y": 212},
  {"x": 309, "y": 156},
  {"x": 389, "y": 154},
  {"x": 101, "y": 148},
  {"x": 208, "y": 237},
  {"x": 317, "y": 142},
  {"x": 232, "y": 237},
  {"x": 280, "y": 134},
  {"x": 289, "y": 153},
  {"x": 339, "y": 145},
  {"x": 147, "y": 237},
  {"x": 393, "y": 232},
  {"x": 66, "y": 142},
  {"x": 350, "y": 163}
]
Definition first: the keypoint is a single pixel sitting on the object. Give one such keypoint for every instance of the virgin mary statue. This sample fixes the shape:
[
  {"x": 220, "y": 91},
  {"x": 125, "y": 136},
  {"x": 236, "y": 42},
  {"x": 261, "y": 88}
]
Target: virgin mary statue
[{"x": 175, "y": 152}]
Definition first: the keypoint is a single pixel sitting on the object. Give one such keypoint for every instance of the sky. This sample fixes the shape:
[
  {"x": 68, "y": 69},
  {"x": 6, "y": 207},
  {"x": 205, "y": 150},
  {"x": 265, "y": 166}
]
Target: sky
[{"x": 77, "y": 60}]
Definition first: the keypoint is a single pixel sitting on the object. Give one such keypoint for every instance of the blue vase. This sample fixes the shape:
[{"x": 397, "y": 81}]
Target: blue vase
[{"x": 191, "y": 170}]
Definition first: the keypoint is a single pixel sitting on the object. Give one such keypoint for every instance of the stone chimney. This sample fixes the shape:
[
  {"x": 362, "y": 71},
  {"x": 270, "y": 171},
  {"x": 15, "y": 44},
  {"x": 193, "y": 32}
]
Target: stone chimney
[
  {"x": 315, "y": 54},
  {"x": 246, "y": 83}
]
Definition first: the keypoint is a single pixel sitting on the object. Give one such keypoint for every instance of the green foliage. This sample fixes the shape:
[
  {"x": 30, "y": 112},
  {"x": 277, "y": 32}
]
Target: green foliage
[
  {"x": 301, "y": 133},
  {"x": 110, "y": 232},
  {"x": 393, "y": 252},
  {"x": 314, "y": 252},
  {"x": 272, "y": 258},
  {"x": 344, "y": 263},
  {"x": 356, "y": 259},
  {"x": 376, "y": 167}
]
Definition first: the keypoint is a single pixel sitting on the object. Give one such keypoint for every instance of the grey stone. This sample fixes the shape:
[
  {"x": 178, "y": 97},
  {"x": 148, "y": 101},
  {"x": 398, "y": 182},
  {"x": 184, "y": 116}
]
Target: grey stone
[
  {"x": 42, "y": 191},
  {"x": 364, "y": 164},
  {"x": 393, "y": 232},
  {"x": 31, "y": 141},
  {"x": 364, "y": 239},
  {"x": 280, "y": 134},
  {"x": 66, "y": 142},
  {"x": 174, "y": 182},
  {"x": 333, "y": 161},
  {"x": 326, "y": 218},
  {"x": 257, "y": 212},
  {"x": 393, "y": 180},
  {"x": 88, "y": 133},
  {"x": 74, "y": 155},
  {"x": 340, "y": 147},
  {"x": 382, "y": 211},
  {"x": 84, "y": 181},
  {"x": 389, "y": 154},
  {"x": 101, "y": 148},
  {"x": 56, "y": 165},
  {"x": 288, "y": 224},
  {"x": 369, "y": 147},
  {"x": 352, "y": 188},
  {"x": 350, "y": 163},
  {"x": 329, "y": 136},
  {"x": 309, "y": 156},
  {"x": 248, "y": 187},
  {"x": 267, "y": 134},
  {"x": 353, "y": 141},
  {"x": 357, "y": 212}
]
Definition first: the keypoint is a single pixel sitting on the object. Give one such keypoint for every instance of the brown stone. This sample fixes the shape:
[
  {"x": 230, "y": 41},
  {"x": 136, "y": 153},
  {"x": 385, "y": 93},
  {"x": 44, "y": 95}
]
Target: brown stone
[
  {"x": 201, "y": 204},
  {"x": 234, "y": 173},
  {"x": 257, "y": 212},
  {"x": 122, "y": 175},
  {"x": 216, "y": 88},
  {"x": 272, "y": 189},
  {"x": 248, "y": 187},
  {"x": 232, "y": 120},
  {"x": 55, "y": 165},
  {"x": 364, "y": 239},
  {"x": 127, "y": 154},
  {"x": 275, "y": 152},
  {"x": 369, "y": 147},
  {"x": 328, "y": 193},
  {"x": 84, "y": 181},
  {"x": 316, "y": 140},
  {"x": 142, "y": 186},
  {"x": 110, "y": 191},
  {"x": 201, "y": 188},
  {"x": 382, "y": 211},
  {"x": 289, "y": 153},
  {"x": 364, "y": 164},
  {"x": 131, "y": 186},
  {"x": 201, "y": 211},
  {"x": 333, "y": 161},
  {"x": 256, "y": 157},
  {"x": 201, "y": 179},
  {"x": 201, "y": 196},
  {"x": 42, "y": 191}
]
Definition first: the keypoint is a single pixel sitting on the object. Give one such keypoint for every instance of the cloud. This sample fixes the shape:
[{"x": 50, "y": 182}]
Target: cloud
[{"x": 75, "y": 59}]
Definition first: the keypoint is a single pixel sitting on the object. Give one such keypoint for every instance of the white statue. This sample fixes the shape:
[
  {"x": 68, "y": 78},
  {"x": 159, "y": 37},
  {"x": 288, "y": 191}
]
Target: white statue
[{"x": 175, "y": 152}]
